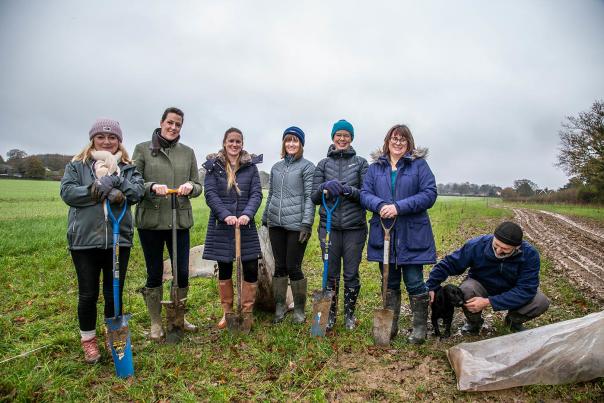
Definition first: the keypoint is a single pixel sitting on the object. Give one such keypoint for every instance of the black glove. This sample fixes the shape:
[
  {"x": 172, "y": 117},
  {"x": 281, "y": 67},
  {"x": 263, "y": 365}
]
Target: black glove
[
  {"x": 304, "y": 235},
  {"x": 346, "y": 190},
  {"x": 333, "y": 187},
  {"x": 115, "y": 196},
  {"x": 102, "y": 186}
]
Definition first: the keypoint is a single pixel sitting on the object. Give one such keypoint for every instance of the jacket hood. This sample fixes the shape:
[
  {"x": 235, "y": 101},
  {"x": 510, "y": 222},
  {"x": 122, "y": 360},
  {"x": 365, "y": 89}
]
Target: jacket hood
[
  {"x": 332, "y": 152},
  {"x": 418, "y": 153},
  {"x": 246, "y": 159}
]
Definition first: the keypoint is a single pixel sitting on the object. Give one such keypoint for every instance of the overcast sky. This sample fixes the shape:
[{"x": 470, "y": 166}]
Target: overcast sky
[{"x": 484, "y": 85}]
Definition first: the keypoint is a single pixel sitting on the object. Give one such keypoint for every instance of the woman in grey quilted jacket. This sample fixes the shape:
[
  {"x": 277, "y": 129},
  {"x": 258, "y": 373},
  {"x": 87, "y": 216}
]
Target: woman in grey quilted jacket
[{"x": 289, "y": 215}]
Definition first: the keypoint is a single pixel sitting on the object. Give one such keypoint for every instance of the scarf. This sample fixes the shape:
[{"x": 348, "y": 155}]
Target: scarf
[{"x": 158, "y": 142}]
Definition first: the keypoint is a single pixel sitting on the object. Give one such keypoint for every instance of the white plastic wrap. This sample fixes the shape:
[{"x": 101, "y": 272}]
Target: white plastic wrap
[{"x": 564, "y": 352}]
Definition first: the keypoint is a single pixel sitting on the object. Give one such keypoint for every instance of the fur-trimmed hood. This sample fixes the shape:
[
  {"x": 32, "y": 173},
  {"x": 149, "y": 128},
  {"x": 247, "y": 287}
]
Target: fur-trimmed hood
[
  {"x": 419, "y": 152},
  {"x": 219, "y": 157}
]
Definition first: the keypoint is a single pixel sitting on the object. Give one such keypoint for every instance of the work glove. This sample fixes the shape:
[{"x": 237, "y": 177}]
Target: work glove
[
  {"x": 264, "y": 223},
  {"x": 304, "y": 235},
  {"x": 115, "y": 196},
  {"x": 333, "y": 187},
  {"x": 102, "y": 186},
  {"x": 346, "y": 190}
]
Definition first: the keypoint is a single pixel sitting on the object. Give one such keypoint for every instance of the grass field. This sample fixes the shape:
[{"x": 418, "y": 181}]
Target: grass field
[{"x": 38, "y": 297}]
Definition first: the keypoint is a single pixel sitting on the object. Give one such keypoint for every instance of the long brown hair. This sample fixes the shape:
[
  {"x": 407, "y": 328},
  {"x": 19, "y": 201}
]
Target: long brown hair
[
  {"x": 300, "y": 151},
  {"x": 231, "y": 179},
  {"x": 403, "y": 131},
  {"x": 86, "y": 153}
]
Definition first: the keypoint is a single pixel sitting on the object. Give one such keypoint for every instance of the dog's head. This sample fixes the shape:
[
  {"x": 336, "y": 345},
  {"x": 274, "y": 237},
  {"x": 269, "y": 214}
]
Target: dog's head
[{"x": 453, "y": 295}]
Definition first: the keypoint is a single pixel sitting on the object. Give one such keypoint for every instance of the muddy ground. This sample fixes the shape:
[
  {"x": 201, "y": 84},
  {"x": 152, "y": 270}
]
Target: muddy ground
[{"x": 407, "y": 373}]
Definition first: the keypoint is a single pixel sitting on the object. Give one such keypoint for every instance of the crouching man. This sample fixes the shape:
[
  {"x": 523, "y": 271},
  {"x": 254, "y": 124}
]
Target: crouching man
[{"x": 504, "y": 273}]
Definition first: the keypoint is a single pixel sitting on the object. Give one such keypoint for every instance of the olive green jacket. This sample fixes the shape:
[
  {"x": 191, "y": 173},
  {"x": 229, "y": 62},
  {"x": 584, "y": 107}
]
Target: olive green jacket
[{"x": 172, "y": 167}]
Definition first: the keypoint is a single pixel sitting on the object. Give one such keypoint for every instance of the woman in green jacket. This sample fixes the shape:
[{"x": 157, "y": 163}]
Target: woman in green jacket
[
  {"x": 102, "y": 170},
  {"x": 165, "y": 163}
]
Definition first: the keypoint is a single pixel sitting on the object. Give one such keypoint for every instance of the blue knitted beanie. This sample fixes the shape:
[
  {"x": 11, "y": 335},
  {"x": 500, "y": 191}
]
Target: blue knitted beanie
[
  {"x": 342, "y": 125},
  {"x": 294, "y": 131}
]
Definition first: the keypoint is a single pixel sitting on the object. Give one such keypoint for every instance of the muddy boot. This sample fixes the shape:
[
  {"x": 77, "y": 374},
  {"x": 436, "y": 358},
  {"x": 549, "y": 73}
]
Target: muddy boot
[
  {"x": 333, "y": 309},
  {"x": 248, "y": 297},
  {"x": 419, "y": 308},
  {"x": 393, "y": 301},
  {"x": 182, "y": 295},
  {"x": 473, "y": 323},
  {"x": 279, "y": 294},
  {"x": 299, "y": 291},
  {"x": 91, "y": 350},
  {"x": 514, "y": 321},
  {"x": 350, "y": 301},
  {"x": 153, "y": 298},
  {"x": 225, "y": 289}
]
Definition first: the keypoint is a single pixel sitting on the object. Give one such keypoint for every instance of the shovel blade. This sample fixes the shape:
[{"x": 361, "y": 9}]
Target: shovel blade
[
  {"x": 320, "y": 312},
  {"x": 175, "y": 322},
  {"x": 382, "y": 326},
  {"x": 233, "y": 322},
  {"x": 118, "y": 334}
]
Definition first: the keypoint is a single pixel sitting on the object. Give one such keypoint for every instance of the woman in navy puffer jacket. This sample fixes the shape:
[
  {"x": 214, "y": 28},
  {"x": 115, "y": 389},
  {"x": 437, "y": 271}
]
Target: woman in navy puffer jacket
[
  {"x": 400, "y": 186},
  {"x": 233, "y": 193}
]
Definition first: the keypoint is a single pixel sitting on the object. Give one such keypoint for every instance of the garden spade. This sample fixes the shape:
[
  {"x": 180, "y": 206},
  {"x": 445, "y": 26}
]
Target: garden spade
[
  {"x": 322, "y": 298},
  {"x": 175, "y": 307},
  {"x": 382, "y": 318},
  {"x": 118, "y": 333},
  {"x": 235, "y": 320}
]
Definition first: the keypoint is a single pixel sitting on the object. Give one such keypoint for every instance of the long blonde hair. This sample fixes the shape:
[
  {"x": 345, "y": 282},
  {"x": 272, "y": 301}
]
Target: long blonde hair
[
  {"x": 86, "y": 153},
  {"x": 231, "y": 178}
]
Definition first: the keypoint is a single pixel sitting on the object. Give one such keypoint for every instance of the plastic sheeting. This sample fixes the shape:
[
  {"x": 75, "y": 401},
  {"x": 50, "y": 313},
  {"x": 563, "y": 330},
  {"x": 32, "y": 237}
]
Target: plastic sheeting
[{"x": 564, "y": 352}]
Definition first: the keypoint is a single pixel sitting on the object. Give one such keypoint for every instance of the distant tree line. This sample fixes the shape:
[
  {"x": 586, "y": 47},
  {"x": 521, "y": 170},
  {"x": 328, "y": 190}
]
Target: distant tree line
[
  {"x": 41, "y": 166},
  {"x": 468, "y": 189}
]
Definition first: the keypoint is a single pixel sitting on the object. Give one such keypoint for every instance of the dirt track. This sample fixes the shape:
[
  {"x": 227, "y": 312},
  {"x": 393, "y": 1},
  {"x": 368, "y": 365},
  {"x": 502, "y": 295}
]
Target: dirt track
[{"x": 576, "y": 249}]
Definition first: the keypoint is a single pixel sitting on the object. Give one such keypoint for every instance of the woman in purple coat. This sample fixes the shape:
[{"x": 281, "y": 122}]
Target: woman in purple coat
[{"x": 400, "y": 186}]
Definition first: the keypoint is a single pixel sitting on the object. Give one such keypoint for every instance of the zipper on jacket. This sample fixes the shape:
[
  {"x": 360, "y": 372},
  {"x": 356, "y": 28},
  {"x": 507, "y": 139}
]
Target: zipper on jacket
[
  {"x": 106, "y": 235},
  {"x": 75, "y": 217},
  {"x": 340, "y": 180},
  {"x": 282, "y": 182}
]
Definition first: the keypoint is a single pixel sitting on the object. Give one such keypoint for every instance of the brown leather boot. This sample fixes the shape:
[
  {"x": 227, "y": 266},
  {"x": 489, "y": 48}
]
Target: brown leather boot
[
  {"x": 225, "y": 289},
  {"x": 248, "y": 297}
]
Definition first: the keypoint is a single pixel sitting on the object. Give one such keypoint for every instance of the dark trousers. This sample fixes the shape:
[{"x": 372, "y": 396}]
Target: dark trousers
[
  {"x": 152, "y": 242},
  {"x": 345, "y": 246},
  {"x": 412, "y": 275},
  {"x": 89, "y": 264},
  {"x": 288, "y": 253},
  {"x": 249, "y": 268}
]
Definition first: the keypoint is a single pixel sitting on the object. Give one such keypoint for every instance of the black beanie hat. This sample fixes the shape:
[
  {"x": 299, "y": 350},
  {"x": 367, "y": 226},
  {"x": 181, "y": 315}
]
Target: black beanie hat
[{"x": 509, "y": 233}]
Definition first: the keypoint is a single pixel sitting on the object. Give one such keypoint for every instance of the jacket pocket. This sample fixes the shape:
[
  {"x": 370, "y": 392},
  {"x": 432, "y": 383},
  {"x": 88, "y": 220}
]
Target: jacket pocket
[
  {"x": 147, "y": 218},
  {"x": 185, "y": 218},
  {"x": 419, "y": 233},
  {"x": 376, "y": 233}
]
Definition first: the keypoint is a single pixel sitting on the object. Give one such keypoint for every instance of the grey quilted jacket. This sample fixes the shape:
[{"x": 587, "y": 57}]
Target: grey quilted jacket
[
  {"x": 347, "y": 167},
  {"x": 289, "y": 204}
]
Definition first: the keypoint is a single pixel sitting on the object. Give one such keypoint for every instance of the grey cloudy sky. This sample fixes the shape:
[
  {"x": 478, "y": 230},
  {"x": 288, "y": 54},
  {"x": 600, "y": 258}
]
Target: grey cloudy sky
[{"x": 484, "y": 85}]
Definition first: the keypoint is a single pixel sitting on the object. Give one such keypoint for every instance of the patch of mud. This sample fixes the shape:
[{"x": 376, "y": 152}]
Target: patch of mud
[{"x": 576, "y": 248}]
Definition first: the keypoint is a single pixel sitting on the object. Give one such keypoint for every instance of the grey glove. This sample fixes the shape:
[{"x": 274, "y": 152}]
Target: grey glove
[
  {"x": 102, "y": 186},
  {"x": 115, "y": 196},
  {"x": 304, "y": 235}
]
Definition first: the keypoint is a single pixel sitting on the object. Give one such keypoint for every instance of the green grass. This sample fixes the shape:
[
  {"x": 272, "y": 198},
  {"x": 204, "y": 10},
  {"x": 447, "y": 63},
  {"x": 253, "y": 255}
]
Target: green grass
[
  {"x": 592, "y": 212},
  {"x": 38, "y": 309}
]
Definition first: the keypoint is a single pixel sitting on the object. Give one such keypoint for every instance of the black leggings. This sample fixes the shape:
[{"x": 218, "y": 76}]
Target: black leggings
[
  {"x": 288, "y": 252},
  {"x": 250, "y": 270},
  {"x": 89, "y": 264},
  {"x": 152, "y": 242}
]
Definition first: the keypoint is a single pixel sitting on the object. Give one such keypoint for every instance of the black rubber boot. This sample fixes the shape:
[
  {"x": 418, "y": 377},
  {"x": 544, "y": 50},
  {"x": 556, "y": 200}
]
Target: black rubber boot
[
  {"x": 419, "y": 308},
  {"x": 333, "y": 309},
  {"x": 350, "y": 301},
  {"x": 299, "y": 292},
  {"x": 279, "y": 293},
  {"x": 514, "y": 321},
  {"x": 473, "y": 323},
  {"x": 393, "y": 301}
]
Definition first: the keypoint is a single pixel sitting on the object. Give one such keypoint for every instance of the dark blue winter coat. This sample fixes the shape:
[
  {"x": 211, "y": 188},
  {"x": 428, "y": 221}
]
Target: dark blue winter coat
[
  {"x": 511, "y": 282},
  {"x": 220, "y": 237},
  {"x": 411, "y": 241}
]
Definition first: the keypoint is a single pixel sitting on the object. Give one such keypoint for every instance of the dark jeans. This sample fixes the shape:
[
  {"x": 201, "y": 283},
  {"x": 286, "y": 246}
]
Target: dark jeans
[
  {"x": 412, "y": 274},
  {"x": 250, "y": 270},
  {"x": 152, "y": 242},
  {"x": 345, "y": 246},
  {"x": 288, "y": 252},
  {"x": 89, "y": 264}
]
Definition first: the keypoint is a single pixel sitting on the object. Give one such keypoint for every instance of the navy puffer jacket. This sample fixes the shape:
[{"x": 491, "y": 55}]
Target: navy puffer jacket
[
  {"x": 511, "y": 282},
  {"x": 344, "y": 166},
  {"x": 412, "y": 241},
  {"x": 220, "y": 237}
]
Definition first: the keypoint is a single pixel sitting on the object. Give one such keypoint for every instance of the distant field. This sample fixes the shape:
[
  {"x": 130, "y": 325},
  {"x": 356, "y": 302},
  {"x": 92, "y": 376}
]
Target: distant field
[
  {"x": 38, "y": 297},
  {"x": 591, "y": 212}
]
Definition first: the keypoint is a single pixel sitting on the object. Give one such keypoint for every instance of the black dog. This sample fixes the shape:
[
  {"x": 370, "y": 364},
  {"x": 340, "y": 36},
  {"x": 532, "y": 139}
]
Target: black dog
[{"x": 445, "y": 300}]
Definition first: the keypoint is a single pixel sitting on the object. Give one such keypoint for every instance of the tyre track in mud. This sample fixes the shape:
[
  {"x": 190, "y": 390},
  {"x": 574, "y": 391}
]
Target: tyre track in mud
[{"x": 576, "y": 251}]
